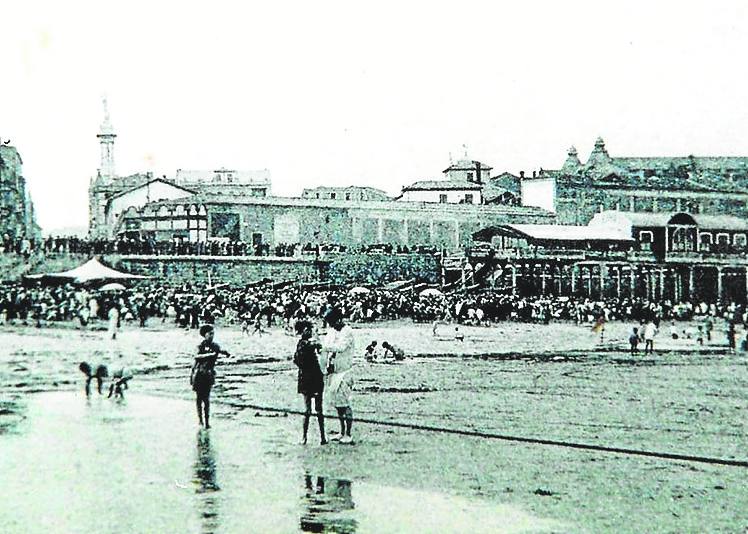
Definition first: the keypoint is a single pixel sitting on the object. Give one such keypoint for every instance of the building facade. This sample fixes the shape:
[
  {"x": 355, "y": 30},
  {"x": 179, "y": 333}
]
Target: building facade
[
  {"x": 464, "y": 182},
  {"x": 277, "y": 220},
  {"x": 697, "y": 185},
  {"x": 645, "y": 256},
  {"x": 225, "y": 181},
  {"x": 345, "y": 193},
  {"x": 17, "y": 218},
  {"x": 110, "y": 194}
]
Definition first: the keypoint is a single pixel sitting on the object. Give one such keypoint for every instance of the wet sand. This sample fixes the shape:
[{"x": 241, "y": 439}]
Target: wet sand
[{"x": 685, "y": 399}]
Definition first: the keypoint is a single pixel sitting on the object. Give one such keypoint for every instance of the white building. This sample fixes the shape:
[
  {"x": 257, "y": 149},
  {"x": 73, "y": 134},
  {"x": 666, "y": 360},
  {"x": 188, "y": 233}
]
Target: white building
[
  {"x": 443, "y": 191},
  {"x": 140, "y": 195},
  {"x": 464, "y": 183},
  {"x": 226, "y": 181}
]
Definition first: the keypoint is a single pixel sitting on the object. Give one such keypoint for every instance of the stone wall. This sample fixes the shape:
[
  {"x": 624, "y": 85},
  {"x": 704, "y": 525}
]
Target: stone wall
[
  {"x": 236, "y": 271},
  {"x": 372, "y": 269}
]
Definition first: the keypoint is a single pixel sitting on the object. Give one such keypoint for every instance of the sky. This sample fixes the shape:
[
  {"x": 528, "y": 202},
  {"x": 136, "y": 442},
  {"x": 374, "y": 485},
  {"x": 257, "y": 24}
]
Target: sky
[{"x": 354, "y": 93}]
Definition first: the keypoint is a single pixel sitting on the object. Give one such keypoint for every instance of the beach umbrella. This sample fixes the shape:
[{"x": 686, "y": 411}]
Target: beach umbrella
[
  {"x": 359, "y": 291},
  {"x": 431, "y": 292},
  {"x": 114, "y": 286}
]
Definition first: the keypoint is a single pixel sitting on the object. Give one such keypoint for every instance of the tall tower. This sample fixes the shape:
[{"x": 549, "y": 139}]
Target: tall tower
[{"x": 106, "y": 137}]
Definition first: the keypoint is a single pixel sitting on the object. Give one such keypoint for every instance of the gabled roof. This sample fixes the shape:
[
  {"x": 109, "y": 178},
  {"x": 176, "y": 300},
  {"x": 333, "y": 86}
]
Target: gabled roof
[
  {"x": 467, "y": 165},
  {"x": 149, "y": 182},
  {"x": 442, "y": 185}
]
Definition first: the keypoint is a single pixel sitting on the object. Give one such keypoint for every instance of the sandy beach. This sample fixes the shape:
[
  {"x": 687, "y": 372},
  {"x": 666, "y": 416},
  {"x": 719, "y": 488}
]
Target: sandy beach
[{"x": 554, "y": 382}]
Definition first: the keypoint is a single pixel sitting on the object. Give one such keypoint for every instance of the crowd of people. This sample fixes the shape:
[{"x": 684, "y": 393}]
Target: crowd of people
[
  {"x": 182, "y": 247},
  {"x": 267, "y": 304}
]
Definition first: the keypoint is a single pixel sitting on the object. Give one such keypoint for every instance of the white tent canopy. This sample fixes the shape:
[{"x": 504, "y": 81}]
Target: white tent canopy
[{"x": 91, "y": 271}]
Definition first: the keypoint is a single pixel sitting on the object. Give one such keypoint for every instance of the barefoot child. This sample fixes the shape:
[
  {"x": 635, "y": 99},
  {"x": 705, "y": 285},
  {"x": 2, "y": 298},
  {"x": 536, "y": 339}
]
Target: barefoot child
[
  {"x": 203, "y": 373},
  {"x": 311, "y": 381}
]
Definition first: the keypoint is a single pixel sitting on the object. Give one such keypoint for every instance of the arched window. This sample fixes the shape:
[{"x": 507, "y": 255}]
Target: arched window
[{"x": 705, "y": 241}]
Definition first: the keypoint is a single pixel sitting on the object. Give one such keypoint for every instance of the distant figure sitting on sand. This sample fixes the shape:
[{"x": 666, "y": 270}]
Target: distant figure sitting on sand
[
  {"x": 371, "y": 352},
  {"x": 203, "y": 374},
  {"x": 393, "y": 352},
  {"x": 459, "y": 336},
  {"x": 100, "y": 373},
  {"x": 673, "y": 330}
]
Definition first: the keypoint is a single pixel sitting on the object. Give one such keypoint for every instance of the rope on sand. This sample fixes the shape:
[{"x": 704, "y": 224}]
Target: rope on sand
[{"x": 516, "y": 439}]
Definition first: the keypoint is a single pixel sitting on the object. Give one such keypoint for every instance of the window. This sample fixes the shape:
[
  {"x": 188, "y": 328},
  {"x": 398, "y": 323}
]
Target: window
[
  {"x": 317, "y": 195},
  {"x": 469, "y": 176},
  {"x": 705, "y": 242},
  {"x": 333, "y": 196},
  {"x": 442, "y": 199},
  {"x": 347, "y": 196},
  {"x": 739, "y": 241},
  {"x": 645, "y": 240},
  {"x": 468, "y": 198}
]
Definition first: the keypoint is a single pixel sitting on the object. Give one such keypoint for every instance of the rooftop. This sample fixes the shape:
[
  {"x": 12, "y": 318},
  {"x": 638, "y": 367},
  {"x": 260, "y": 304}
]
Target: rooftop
[{"x": 442, "y": 185}]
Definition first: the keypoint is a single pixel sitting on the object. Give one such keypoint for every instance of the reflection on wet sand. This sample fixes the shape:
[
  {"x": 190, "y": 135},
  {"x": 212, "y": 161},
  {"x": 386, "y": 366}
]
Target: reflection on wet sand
[
  {"x": 324, "y": 500},
  {"x": 206, "y": 482}
]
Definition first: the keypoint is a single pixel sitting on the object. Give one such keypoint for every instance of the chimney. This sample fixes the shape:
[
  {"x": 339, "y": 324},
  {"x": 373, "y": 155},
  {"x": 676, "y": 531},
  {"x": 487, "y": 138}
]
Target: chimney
[
  {"x": 534, "y": 174},
  {"x": 521, "y": 174}
]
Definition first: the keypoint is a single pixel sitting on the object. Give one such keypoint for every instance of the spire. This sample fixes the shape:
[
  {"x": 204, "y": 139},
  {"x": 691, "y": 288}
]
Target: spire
[
  {"x": 572, "y": 160},
  {"x": 106, "y": 126},
  {"x": 599, "y": 154},
  {"x": 106, "y": 137}
]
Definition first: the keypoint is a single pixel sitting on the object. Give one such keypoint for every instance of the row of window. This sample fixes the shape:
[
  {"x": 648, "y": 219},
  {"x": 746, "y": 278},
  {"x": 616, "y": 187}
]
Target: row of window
[
  {"x": 334, "y": 196},
  {"x": 467, "y": 200},
  {"x": 705, "y": 240}
]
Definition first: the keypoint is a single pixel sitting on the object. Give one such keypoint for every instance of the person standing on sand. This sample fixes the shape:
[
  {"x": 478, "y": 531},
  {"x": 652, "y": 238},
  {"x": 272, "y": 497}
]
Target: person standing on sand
[
  {"x": 203, "y": 374},
  {"x": 311, "y": 379},
  {"x": 634, "y": 341},
  {"x": 113, "y": 316},
  {"x": 339, "y": 346},
  {"x": 649, "y": 334},
  {"x": 731, "y": 334}
]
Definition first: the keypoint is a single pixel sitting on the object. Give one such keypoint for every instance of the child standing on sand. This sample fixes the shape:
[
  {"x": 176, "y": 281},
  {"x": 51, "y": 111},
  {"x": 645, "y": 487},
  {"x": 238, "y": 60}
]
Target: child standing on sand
[
  {"x": 203, "y": 374},
  {"x": 339, "y": 346},
  {"x": 311, "y": 380}
]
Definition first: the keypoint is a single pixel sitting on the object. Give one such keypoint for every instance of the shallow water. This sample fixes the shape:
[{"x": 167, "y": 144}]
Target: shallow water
[{"x": 70, "y": 465}]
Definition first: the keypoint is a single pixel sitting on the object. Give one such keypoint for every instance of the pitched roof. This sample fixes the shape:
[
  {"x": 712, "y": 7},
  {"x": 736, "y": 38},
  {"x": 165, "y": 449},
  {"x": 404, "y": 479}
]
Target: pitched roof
[
  {"x": 467, "y": 165},
  {"x": 442, "y": 185},
  {"x": 560, "y": 232},
  {"x": 91, "y": 271},
  {"x": 149, "y": 182}
]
